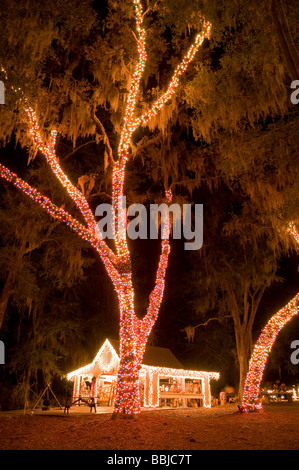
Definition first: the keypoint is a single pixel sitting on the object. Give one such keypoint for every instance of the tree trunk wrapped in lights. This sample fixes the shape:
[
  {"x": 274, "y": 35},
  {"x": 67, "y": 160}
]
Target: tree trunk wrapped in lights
[
  {"x": 263, "y": 347},
  {"x": 134, "y": 332}
]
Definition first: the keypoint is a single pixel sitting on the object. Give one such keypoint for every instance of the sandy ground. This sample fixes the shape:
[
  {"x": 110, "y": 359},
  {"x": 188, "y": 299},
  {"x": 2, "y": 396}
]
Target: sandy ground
[{"x": 218, "y": 428}]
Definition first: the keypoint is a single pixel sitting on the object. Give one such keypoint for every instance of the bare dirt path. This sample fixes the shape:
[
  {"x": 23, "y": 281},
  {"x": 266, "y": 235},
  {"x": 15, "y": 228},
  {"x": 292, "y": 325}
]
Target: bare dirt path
[{"x": 219, "y": 428}]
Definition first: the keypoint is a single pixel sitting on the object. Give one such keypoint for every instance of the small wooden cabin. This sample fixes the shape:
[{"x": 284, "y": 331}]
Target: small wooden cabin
[{"x": 163, "y": 379}]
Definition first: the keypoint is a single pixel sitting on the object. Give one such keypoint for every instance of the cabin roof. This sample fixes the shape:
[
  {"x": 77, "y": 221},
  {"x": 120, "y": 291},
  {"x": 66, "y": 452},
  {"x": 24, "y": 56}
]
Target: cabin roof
[{"x": 154, "y": 356}]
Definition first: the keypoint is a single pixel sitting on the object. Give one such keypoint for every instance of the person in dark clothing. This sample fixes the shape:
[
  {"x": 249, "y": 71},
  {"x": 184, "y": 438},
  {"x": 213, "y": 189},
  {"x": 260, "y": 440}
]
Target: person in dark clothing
[
  {"x": 68, "y": 403},
  {"x": 92, "y": 404}
]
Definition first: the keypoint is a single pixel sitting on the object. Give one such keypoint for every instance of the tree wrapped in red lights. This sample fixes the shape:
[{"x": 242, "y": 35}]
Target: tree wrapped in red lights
[
  {"x": 263, "y": 347},
  {"x": 134, "y": 331}
]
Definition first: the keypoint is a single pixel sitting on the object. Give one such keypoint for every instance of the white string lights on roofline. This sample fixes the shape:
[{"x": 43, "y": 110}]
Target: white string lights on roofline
[
  {"x": 98, "y": 363},
  {"x": 160, "y": 372}
]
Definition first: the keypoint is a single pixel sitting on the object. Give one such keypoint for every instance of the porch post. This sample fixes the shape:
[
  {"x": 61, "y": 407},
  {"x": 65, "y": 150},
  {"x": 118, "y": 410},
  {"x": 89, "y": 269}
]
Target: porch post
[
  {"x": 155, "y": 389},
  {"x": 183, "y": 390},
  {"x": 207, "y": 394}
]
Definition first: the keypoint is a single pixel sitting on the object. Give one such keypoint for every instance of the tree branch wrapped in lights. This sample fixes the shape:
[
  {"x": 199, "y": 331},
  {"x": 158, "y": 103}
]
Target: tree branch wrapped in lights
[
  {"x": 262, "y": 349},
  {"x": 134, "y": 332}
]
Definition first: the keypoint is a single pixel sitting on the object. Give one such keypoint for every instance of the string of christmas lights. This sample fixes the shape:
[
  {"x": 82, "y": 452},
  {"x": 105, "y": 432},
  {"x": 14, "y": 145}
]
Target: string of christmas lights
[
  {"x": 105, "y": 367},
  {"x": 263, "y": 347},
  {"x": 48, "y": 151},
  {"x": 293, "y": 231},
  {"x": 127, "y": 387},
  {"x": 133, "y": 331},
  {"x": 129, "y": 117},
  {"x": 182, "y": 67},
  {"x": 107, "y": 361},
  {"x": 62, "y": 215},
  {"x": 161, "y": 372}
]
